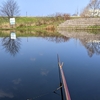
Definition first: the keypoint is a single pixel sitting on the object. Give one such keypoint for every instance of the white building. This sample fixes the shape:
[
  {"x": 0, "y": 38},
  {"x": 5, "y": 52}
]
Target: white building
[{"x": 95, "y": 12}]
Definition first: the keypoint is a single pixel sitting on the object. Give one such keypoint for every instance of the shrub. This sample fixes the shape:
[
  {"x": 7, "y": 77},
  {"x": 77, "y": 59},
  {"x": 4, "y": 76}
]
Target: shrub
[
  {"x": 50, "y": 27},
  {"x": 66, "y": 16}
]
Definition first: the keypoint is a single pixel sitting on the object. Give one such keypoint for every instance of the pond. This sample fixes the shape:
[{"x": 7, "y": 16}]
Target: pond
[{"x": 29, "y": 68}]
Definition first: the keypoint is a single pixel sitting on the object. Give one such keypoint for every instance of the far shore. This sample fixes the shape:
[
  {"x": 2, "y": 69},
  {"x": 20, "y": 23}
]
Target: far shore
[{"x": 50, "y": 23}]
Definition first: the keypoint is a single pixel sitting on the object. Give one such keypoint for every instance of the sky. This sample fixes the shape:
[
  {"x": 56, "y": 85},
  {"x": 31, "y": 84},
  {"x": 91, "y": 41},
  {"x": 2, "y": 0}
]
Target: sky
[{"x": 49, "y": 7}]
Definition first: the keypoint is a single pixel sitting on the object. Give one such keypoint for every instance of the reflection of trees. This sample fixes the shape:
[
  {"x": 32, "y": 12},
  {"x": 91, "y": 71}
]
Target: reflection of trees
[
  {"x": 10, "y": 45},
  {"x": 57, "y": 39},
  {"x": 93, "y": 47},
  {"x": 90, "y": 41}
]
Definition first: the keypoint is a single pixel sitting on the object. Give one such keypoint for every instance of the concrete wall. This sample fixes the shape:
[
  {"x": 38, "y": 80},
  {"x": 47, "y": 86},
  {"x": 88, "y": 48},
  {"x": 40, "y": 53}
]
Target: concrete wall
[{"x": 80, "y": 23}]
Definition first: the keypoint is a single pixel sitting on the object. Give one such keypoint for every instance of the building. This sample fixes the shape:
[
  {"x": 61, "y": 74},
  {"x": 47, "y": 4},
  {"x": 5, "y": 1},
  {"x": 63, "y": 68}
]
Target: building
[{"x": 95, "y": 12}]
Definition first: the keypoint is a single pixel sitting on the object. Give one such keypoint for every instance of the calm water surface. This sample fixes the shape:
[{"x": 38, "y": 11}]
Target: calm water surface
[{"x": 29, "y": 70}]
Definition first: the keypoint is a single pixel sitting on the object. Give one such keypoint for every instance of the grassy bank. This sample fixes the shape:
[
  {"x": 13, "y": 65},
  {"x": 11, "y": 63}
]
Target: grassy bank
[
  {"x": 49, "y": 23},
  {"x": 34, "y": 23}
]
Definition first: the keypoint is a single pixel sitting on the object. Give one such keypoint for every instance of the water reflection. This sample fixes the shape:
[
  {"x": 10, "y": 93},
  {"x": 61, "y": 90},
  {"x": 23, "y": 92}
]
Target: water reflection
[
  {"x": 57, "y": 39},
  {"x": 90, "y": 41},
  {"x": 93, "y": 47},
  {"x": 87, "y": 39},
  {"x": 4, "y": 94},
  {"x": 38, "y": 72},
  {"x": 11, "y": 45}
]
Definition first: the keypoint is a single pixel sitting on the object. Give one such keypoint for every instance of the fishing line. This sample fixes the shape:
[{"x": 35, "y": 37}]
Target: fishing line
[{"x": 54, "y": 91}]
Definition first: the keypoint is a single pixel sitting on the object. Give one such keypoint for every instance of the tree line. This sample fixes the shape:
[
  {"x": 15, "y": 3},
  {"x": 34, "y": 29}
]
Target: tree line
[
  {"x": 92, "y": 9},
  {"x": 10, "y": 8}
]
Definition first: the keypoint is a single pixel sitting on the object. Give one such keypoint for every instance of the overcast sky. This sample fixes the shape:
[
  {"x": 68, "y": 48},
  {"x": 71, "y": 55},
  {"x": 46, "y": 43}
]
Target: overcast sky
[{"x": 49, "y": 7}]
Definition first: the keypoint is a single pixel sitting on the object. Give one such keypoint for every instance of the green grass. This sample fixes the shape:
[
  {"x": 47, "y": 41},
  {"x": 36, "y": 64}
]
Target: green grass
[
  {"x": 94, "y": 27},
  {"x": 37, "y": 23},
  {"x": 3, "y": 20}
]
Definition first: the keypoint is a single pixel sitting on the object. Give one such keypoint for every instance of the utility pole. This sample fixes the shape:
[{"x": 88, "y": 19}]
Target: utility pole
[{"x": 26, "y": 13}]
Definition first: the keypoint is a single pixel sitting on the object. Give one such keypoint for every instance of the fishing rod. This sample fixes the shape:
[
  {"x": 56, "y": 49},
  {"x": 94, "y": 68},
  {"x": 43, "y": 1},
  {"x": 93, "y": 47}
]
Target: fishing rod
[
  {"x": 61, "y": 91},
  {"x": 62, "y": 82},
  {"x": 63, "y": 79}
]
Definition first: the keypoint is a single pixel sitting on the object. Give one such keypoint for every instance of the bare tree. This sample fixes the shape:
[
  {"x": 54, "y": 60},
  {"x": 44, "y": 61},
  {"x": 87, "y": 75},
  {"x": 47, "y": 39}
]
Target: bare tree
[
  {"x": 85, "y": 12},
  {"x": 92, "y": 9},
  {"x": 9, "y": 9},
  {"x": 94, "y": 6}
]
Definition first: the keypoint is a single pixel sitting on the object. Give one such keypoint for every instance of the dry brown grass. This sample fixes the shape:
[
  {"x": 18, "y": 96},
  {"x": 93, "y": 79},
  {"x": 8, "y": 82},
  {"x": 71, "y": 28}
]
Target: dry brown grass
[
  {"x": 50, "y": 27},
  {"x": 5, "y": 25}
]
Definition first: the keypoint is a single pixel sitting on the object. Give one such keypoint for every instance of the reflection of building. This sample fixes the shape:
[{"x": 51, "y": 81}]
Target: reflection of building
[{"x": 94, "y": 41}]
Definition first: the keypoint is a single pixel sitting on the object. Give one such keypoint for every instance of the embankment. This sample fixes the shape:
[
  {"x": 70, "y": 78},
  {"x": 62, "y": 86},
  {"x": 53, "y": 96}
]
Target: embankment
[{"x": 81, "y": 23}]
